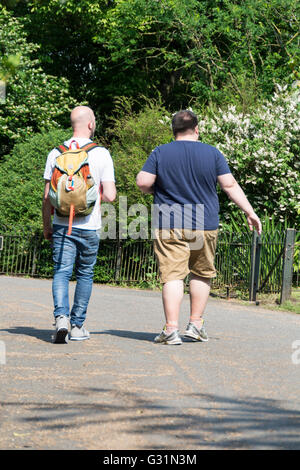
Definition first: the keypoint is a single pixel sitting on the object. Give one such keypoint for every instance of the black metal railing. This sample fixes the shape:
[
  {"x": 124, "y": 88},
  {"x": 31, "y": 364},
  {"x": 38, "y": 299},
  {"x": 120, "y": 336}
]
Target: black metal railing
[{"x": 243, "y": 261}]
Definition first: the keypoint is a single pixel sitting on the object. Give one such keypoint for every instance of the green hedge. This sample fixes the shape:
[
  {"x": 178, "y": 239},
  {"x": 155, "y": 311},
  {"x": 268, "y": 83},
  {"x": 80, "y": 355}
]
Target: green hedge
[{"x": 22, "y": 183}]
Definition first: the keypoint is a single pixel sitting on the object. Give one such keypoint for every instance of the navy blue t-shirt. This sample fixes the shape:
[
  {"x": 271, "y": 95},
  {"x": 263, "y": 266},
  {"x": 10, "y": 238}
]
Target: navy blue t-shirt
[{"x": 187, "y": 174}]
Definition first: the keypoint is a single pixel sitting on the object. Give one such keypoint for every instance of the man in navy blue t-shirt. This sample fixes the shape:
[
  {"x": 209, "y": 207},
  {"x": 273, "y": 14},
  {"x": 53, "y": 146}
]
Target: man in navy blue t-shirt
[{"x": 183, "y": 176}]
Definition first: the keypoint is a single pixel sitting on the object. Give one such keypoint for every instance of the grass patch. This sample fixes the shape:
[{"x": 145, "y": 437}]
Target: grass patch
[
  {"x": 293, "y": 304},
  {"x": 272, "y": 301},
  {"x": 269, "y": 301}
]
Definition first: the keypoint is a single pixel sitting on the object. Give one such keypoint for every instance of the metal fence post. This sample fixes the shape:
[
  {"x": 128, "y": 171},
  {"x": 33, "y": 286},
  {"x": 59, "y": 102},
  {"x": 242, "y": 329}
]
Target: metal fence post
[
  {"x": 255, "y": 265},
  {"x": 287, "y": 269},
  {"x": 119, "y": 259},
  {"x": 34, "y": 256}
]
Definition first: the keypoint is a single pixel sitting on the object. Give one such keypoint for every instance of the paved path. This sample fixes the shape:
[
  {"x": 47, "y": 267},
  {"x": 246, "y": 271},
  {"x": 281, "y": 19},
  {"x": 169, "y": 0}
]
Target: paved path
[{"x": 119, "y": 390}]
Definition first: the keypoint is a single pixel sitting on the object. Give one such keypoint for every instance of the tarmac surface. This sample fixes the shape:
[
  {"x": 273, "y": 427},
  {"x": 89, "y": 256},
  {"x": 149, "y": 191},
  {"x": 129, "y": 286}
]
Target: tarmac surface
[{"x": 120, "y": 391}]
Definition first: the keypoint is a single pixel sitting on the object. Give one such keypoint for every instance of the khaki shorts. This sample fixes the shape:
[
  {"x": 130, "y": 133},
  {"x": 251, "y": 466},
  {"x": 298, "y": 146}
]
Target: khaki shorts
[{"x": 180, "y": 252}]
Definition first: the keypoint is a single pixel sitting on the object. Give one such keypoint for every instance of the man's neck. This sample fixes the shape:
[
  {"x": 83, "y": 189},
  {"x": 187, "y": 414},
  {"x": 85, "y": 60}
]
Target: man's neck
[
  {"x": 190, "y": 137},
  {"x": 81, "y": 135}
]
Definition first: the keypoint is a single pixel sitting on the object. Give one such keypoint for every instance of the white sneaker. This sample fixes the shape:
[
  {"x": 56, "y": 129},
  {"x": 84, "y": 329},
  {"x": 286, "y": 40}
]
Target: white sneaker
[
  {"x": 195, "y": 333},
  {"x": 62, "y": 330},
  {"x": 172, "y": 338},
  {"x": 79, "y": 334}
]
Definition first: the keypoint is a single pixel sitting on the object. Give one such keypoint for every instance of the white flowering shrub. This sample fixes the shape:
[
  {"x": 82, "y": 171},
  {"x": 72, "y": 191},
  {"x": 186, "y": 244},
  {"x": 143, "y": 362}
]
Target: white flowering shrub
[{"x": 262, "y": 149}]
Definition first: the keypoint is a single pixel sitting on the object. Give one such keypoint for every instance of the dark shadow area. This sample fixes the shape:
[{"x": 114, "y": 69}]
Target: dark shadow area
[
  {"x": 43, "y": 335},
  {"x": 190, "y": 340},
  {"x": 138, "y": 335},
  {"x": 46, "y": 335},
  {"x": 211, "y": 421}
]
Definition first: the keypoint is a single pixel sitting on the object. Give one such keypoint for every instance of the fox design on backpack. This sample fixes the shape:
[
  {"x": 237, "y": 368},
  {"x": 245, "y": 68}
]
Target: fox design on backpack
[{"x": 72, "y": 189}]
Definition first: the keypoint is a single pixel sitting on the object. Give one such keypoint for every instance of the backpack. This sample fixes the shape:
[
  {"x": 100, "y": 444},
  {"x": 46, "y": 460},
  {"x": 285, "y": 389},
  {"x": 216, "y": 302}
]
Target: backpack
[{"x": 73, "y": 190}]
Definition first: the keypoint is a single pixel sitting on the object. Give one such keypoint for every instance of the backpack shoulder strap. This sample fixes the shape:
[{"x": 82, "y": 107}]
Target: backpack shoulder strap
[
  {"x": 90, "y": 146},
  {"x": 62, "y": 148}
]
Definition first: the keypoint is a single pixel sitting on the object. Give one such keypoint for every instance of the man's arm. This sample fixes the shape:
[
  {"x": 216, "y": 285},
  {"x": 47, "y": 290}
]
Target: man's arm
[
  {"x": 145, "y": 182},
  {"x": 46, "y": 210},
  {"x": 237, "y": 195},
  {"x": 109, "y": 191}
]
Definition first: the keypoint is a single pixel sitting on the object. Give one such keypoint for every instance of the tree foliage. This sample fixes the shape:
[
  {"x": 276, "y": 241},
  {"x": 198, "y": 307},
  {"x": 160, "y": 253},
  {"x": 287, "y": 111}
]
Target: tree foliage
[
  {"x": 190, "y": 51},
  {"x": 137, "y": 61},
  {"x": 34, "y": 101},
  {"x": 133, "y": 136}
]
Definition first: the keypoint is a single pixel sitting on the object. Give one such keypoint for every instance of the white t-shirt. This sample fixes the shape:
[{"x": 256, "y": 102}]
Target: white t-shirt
[{"x": 101, "y": 168}]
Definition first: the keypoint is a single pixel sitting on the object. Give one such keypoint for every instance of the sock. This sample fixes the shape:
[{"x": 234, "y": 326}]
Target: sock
[
  {"x": 197, "y": 322},
  {"x": 170, "y": 329}
]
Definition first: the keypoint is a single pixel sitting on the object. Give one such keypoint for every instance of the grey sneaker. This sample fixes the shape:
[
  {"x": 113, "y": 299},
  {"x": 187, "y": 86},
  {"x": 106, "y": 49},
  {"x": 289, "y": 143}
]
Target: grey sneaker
[
  {"x": 61, "y": 330},
  {"x": 172, "y": 338},
  {"x": 79, "y": 334},
  {"x": 193, "y": 332}
]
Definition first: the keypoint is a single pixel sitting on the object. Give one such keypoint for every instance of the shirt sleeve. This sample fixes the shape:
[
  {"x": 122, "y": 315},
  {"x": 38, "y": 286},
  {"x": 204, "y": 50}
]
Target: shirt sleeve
[
  {"x": 108, "y": 172},
  {"x": 221, "y": 164},
  {"x": 50, "y": 164},
  {"x": 151, "y": 163}
]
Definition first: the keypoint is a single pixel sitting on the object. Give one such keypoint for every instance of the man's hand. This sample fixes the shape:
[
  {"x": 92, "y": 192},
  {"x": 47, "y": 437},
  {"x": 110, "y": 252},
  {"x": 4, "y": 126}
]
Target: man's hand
[
  {"x": 237, "y": 195},
  {"x": 48, "y": 233},
  {"x": 253, "y": 221}
]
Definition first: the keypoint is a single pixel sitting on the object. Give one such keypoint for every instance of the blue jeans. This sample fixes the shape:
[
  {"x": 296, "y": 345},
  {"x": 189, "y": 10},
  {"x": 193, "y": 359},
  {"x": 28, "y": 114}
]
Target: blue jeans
[{"x": 81, "y": 248}]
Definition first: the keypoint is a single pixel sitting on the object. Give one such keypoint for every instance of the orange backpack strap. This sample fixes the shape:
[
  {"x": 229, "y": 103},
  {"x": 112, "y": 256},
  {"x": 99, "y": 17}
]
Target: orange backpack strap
[
  {"x": 101, "y": 193},
  {"x": 62, "y": 148},
  {"x": 86, "y": 147},
  {"x": 71, "y": 216},
  {"x": 75, "y": 142}
]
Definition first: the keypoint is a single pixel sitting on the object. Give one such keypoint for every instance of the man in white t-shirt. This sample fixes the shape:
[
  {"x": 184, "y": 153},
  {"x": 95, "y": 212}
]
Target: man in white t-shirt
[{"x": 81, "y": 247}]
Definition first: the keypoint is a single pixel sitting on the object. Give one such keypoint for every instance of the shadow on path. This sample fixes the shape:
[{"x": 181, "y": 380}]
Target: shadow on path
[
  {"x": 141, "y": 336},
  {"x": 138, "y": 335},
  {"x": 211, "y": 421},
  {"x": 44, "y": 335}
]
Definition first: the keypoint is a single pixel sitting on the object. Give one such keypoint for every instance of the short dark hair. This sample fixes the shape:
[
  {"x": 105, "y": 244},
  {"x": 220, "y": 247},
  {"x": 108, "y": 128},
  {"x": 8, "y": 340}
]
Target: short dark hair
[{"x": 183, "y": 121}]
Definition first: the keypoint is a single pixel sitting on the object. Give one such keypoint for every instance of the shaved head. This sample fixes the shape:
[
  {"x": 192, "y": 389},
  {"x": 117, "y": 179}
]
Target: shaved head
[{"x": 83, "y": 121}]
